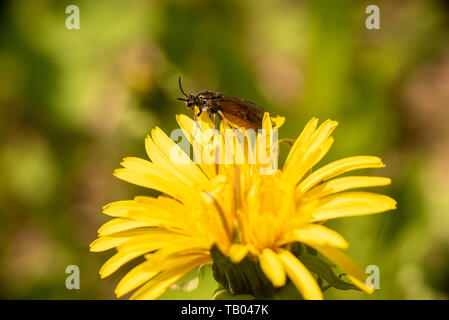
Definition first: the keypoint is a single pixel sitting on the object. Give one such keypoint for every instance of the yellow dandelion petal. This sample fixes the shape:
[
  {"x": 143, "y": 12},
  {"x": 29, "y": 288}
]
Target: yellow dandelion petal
[
  {"x": 309, "y": 153},
  {"x": 191, "y": 129},
  {"x": 345, "y": 183},
  {"x": 120, "y": 208},
  {"x": 298, "y": 146},
  {"x": 318, "y": 139},
  {"x": 151, "y": 268},
  {"x": 273, "y": 268},
  {"x": 316, "y": 234},
  {"x": 157, "y": 286},
  {"x": 117, "y": 239},
  {"x": 336, "y": 168},
  {"x": 156, "y": 238},
  {"x": 162, "y": 204},
  {"x": 138, "y": 245},
  {"x": 150, "y": 179},
  {"x": 119, "y": 225},
  {"x": 159, "y": 218},
  {"x": 175, "y": 250},
  {"x": 185, "y": 167},
  {"x": 238, "y": 252},
  {"x": 106, "y": 243},
  {"x": 120, "y": 258},
  {"x": 157, "y": 180},
  {"x": 300, "y": 276},
  {"x": 348, "y": 204},
  {"x": 266, "y": 121},
  {"x": 162, "y": 162},
  {"x": 278, "y": 121},
  {"x": 135, "y": 278}
]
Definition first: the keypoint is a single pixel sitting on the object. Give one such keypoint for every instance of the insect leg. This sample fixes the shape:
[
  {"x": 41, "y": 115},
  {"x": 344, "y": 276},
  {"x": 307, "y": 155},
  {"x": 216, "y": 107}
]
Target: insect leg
[
  {"x": 224, "y": 118},
  {"x": 195, "y": 119},
  {"x": 216, "y": 136}
]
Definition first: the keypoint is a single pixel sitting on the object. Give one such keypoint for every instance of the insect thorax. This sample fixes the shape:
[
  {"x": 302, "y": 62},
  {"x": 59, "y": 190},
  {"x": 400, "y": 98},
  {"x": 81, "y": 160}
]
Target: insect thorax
[{"x": 206, "y": 100}]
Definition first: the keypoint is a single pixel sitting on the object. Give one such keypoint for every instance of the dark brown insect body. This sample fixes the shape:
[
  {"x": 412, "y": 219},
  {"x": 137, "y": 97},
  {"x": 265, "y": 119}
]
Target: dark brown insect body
[{"x": 235, "y": 110}]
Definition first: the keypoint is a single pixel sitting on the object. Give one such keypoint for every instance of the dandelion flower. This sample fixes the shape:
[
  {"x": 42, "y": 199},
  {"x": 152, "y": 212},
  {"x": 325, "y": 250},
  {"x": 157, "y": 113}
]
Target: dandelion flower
[{"x": 249, "y": 224}]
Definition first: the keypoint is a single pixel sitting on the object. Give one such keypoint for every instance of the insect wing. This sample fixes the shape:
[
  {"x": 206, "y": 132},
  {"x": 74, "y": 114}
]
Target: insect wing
[{"x": 241, "y": 112}]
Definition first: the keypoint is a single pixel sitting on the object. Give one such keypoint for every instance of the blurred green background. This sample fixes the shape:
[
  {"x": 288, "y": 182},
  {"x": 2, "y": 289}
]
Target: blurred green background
[{"x": 74, "y": 102}]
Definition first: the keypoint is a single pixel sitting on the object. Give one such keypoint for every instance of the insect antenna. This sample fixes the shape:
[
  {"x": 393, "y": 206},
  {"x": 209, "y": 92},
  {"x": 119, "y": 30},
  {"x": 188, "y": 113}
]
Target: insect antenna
[{"x": 180, "y": 87}]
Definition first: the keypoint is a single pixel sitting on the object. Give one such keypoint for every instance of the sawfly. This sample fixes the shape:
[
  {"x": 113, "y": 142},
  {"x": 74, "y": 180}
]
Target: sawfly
[{"x": 235, "y": 110}]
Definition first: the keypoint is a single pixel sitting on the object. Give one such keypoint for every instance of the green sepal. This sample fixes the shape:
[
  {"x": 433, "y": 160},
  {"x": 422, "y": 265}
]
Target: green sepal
[{"x": 324, "y": 270}]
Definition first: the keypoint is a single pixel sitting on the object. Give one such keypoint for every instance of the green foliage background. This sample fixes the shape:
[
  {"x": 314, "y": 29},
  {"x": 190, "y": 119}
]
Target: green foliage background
[{"x": 74, "y": 102}]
